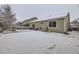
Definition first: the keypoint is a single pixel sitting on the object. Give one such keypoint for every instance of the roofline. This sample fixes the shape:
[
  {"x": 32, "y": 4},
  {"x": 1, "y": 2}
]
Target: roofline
[{"x": 56, "y": 18}]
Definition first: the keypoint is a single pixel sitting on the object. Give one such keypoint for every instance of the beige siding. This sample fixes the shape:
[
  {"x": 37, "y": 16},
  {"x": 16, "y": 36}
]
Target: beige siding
[
  {"x": 42, "y": 26},
  {"x": 66, "y": 23},
  {"x": 59, "y": 26}
]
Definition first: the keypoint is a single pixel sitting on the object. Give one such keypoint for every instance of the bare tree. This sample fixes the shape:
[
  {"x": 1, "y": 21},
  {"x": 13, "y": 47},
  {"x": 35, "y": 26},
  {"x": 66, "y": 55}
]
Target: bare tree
[{"x": 8, "y": 18}]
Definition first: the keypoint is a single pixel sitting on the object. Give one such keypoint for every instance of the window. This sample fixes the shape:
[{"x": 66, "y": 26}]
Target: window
[
  {"x": 52, "y": 24},
  {"x": 26, "y": 25}
]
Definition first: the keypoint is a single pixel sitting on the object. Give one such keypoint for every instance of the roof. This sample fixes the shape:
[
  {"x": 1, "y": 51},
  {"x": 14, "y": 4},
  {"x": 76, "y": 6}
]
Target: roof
[
  {"x": 30, "y": 19},
  {"x": 56, "y": 18}
]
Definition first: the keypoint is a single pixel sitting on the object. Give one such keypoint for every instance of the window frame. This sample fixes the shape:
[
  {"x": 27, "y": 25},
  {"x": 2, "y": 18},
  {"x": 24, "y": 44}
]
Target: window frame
[{"x": 53, "y": 24}]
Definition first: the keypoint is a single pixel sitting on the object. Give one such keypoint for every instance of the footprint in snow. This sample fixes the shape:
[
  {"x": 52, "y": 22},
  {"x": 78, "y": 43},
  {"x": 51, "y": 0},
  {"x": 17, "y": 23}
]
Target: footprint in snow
[
  {"x": 52, "y": 47},
  {"x": 47, "y": 51}
]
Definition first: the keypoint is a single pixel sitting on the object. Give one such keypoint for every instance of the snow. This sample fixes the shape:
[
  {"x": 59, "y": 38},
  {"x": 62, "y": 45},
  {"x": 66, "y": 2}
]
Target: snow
[
  {"x": 37, "y": 42},
  {"x": 55, "y": 18}
]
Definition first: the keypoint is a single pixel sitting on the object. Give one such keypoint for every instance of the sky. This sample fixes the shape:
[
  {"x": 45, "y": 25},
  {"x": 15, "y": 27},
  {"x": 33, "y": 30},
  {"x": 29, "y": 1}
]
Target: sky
[{"x": 44, "y": 11}]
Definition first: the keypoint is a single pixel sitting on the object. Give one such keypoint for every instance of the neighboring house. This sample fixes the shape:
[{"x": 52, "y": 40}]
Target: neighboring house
[
  {"x": 25, "y": 22},
  {"x": 17, "y": 26},
  {"x": 75, "y": 24},
  {"x": 59, "y": 24}
]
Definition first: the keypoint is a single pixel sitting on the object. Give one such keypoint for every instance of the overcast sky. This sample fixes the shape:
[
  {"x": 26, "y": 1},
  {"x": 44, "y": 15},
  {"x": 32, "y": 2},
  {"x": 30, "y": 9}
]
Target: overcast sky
[{"x": 43, "y": 11}]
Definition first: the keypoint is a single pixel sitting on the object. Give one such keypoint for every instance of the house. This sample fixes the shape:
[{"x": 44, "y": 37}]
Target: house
[
  {"x": 58, "y": 24},
  {"x": 23, "y": 24},
  {"x": 26, "y": 22}
]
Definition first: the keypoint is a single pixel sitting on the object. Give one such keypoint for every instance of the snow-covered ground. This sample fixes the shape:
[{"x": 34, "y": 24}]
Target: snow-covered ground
[{"x": 37, "y": 42}]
